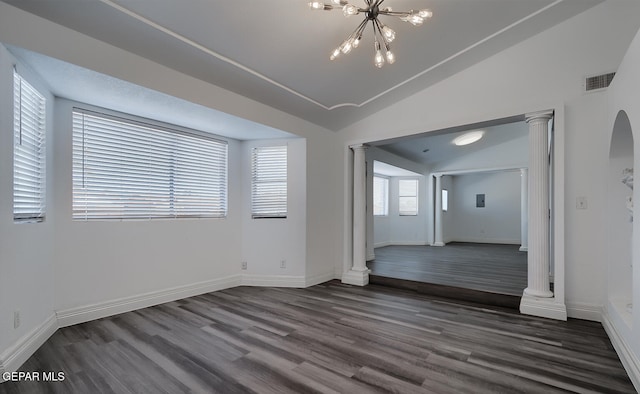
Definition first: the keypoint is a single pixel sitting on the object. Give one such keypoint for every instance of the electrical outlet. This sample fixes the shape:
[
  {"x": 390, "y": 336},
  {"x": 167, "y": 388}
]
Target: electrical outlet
[
  {"x": 244, "y": 265},
  {"x": 16, "y": 319},
  {"x": 283, "y": 263}
]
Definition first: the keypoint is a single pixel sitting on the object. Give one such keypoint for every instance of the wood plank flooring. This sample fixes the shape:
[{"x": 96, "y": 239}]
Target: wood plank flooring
[
  {"x": 492, "y": 268},
  {"x": 330, "y": 338}
]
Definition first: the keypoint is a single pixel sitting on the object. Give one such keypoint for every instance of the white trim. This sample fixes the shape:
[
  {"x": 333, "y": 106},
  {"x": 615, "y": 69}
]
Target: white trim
[
  {"x": 487, "y": 241},
  {"x": 584, "y": 311},
  {"x": 382, "y": 244},
  {"x": 629, "y": 360},
  {"x": 477, "y": 170},
  {"x": 273, "y": 280},
  {"x": 408, "y": 243},
  {"x": 12, "y": 358},
  {"x": 320, "y": 278},
  {"x": 543, "y": 307},
  {"x": 523, "y": 249},
  {"x": 82, "y": 314},
  {"x": 265, "y": 78}
]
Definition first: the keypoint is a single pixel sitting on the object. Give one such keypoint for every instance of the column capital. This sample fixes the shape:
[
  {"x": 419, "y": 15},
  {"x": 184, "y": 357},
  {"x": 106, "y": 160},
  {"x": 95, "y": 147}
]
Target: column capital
[
  {"x": 358, "y": 147},
  {"x": 540, "y": 115},
  {"x": 437, "y": 175}
]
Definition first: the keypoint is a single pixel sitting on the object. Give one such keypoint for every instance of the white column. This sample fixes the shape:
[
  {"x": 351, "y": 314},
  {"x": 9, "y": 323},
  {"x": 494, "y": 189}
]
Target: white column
[
  {"x": 359, "y": 273},
  {"x": 538, "y": 253},
  {"x": 437, "y": 215},
  {"x": 370, "y": 230},
  {"x": 524, "y": 209}
]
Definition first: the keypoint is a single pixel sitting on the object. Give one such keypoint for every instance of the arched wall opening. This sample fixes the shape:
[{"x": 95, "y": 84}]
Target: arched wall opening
[{"x": 620, "y": 218}]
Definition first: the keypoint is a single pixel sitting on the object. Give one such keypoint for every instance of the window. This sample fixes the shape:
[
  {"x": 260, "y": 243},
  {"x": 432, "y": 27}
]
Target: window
[
  {"x": 269, "y": 182},
  {"x": 28, "y": 152},
  {"x": 380, "y": 196},
  {"x": 127, "y": 169},
  {"x": 408, "y": 197},
  {"x": 445, "y": 200}
]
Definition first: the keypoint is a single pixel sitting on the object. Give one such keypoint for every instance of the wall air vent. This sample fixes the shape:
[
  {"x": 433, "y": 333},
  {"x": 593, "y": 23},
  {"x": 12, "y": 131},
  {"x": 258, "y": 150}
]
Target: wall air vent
[{"x": 598, "y": 82}]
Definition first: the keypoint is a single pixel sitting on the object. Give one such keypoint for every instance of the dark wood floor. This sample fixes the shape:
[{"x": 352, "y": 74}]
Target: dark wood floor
[
  {"x": 492, "y": 268},
  {"x": 326, "y": 339}
]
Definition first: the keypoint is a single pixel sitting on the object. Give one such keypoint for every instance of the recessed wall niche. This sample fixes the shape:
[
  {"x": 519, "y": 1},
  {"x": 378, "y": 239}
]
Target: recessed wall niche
[{"x": 620, "y": 218}]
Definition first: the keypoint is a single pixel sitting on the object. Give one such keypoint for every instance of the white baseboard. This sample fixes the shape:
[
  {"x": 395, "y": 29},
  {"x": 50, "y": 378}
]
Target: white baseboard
[
  {"x": 401, "y": 243},
  {"x": 629, "y": 359},
  {"x": 584, "y": 311},
  {"x": 273, "y": 280},
  {"x": 87, "y": 313},
  {"x": 409, "y": 243},
  {"x": 12, "y": 358},
  {"x": 488, "y": 241},
  {"x": 320, "y": 278}
]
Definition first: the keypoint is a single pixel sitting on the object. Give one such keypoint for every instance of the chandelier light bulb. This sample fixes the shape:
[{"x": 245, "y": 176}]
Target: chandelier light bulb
[
  {"x": 335, "y": 54},
  {"x": 339, "y": 2},
  {"x": 349, "y": 10},
  {"x": 391, "y": 58},
  {"x": 346, "y": 47},
  {"x": 425, "y": 14},
  {"x": 316, "y": 5},
  {"x": 415, "y": 19},
  {"x": 378, "y": 59},
  {"x": 388, "y": 33},
  {"x": 356, "y": 41}
]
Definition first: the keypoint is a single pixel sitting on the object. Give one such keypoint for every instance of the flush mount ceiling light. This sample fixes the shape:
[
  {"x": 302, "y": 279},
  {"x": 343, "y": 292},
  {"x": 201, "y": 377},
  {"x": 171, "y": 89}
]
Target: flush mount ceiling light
[
  {"x": 468, "y": 138},
  {"x": 383, "y": 35}
]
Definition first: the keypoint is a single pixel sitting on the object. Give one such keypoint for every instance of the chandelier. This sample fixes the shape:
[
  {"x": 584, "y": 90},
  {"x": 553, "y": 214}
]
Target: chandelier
[{"x": 383, "y": 35}]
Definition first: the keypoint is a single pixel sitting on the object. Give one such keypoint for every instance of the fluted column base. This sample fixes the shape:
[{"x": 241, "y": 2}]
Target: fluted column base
[
  {"x": 542, "y": 307},
  {"x": 356, "y": 278}
]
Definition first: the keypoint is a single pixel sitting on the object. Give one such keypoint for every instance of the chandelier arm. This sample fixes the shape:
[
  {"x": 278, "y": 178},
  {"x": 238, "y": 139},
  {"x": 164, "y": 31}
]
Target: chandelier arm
[
  {"x": 376, "y": 27},
  {"x": 399, "y": 14},
  {"x": 358, "y": 31}
]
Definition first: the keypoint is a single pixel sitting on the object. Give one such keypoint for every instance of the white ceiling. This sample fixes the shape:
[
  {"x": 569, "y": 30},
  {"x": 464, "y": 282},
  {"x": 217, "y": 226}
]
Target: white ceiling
[
  {"x": 440, "y": 147},
  {"x": 89, "y": 87},
  {"x": 276, "y": 52}
]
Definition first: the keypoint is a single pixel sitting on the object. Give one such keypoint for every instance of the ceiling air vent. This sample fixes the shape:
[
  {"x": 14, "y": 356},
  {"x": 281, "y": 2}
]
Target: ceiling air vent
[{"x": 599, "y": 81}]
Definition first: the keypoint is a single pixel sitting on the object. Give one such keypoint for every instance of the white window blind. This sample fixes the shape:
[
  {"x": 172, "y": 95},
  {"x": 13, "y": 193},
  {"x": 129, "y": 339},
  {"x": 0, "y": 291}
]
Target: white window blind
[
  {"x": 28, "y": 151},
  {"x": 126, "y": 169},
  {"x": 380, "y": 196},
  {"x": 408, "y": 197},
  {"x": 269, "y": 182}
]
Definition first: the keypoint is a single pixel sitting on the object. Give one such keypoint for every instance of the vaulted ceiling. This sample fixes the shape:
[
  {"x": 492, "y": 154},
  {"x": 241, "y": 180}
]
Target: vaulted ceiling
[{"x": 277, "y": 51}]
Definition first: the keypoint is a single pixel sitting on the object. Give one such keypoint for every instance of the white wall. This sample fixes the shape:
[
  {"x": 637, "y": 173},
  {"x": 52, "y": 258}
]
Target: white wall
[
  {"x": 545, "y": 71},
  {"x": 99, "y": 268},
  {"x": 624, "y": 96},
  {"x": 26, "y": 258},
  {"x": 98, "y": 261},
  {"x": 498, "y": 221},
  {"x": 266, "y": 242},
  {"x": 394, "y": 229}
]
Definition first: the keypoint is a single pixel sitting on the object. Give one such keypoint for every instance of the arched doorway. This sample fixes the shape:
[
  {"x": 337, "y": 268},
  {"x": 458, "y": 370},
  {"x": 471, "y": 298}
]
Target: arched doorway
[{"x": 620, "y": 217}]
